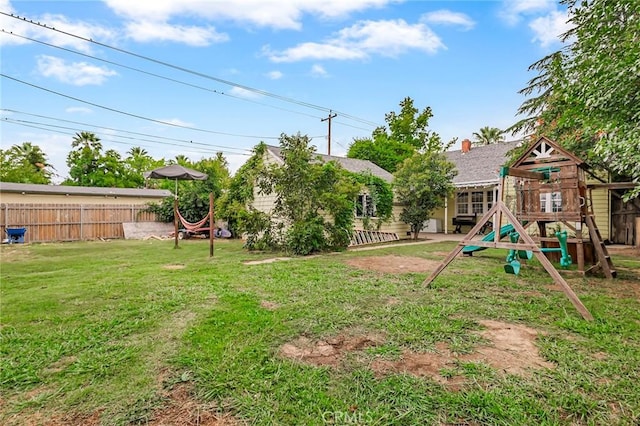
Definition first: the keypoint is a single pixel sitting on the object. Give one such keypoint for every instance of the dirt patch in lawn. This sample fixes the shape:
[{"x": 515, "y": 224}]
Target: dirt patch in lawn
[
  {"x": 510, "y": 349},
  {"x": 270, "y": 306},
  {"x": 182, "y": 409},
  {"x": 173, "y": 267},
  {"x": 622, "y": 289},
  {"x": 327, "y": 352},
  {"x": 393, "y": 264}
]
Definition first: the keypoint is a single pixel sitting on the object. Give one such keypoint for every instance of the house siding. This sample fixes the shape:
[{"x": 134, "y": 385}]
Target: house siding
[
  {"x": 266, "y": 203},
  {"x": 600, "y": 199},
  {"x": 394, "y": 225}
]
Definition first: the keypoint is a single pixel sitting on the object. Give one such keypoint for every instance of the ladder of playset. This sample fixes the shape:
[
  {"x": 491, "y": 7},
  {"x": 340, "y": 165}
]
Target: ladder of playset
[{"x": 604, "y": 260}]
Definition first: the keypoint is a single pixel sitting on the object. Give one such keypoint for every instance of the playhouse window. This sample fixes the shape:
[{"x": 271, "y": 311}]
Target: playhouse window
[
  {"x": 365, "y": 207},
  {"x": 551, "y": 202}
]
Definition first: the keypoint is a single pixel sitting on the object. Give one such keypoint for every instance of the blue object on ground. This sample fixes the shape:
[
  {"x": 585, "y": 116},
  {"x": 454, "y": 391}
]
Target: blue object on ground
[
  {"x": 504, "y": 231},
  {"x": 15, "y": 235}
]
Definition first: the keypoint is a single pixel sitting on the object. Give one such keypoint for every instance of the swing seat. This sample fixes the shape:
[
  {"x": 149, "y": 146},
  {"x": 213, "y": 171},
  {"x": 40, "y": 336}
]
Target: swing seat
[
  {"x": 525, "y": 254},
  {"x": 512, "y": 268}
]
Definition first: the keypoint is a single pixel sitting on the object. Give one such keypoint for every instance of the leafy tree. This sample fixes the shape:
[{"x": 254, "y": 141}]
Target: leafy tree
[
  {"x": 193, "y": 196},
  {"x": 137, "y": 162},
  {"x": 587, "y": 95},
  {"x": 25, "y": 163},
  {"x": 90, "y": 166},
  {"x": 488, "y": 135},
  {"x": 234, "y": 203},
  {"x": 314, "y": 200},
  {"x": 422, "y": 183},
  {"x": 86, "y": 140},
  {"x": 406, "y": 133}
]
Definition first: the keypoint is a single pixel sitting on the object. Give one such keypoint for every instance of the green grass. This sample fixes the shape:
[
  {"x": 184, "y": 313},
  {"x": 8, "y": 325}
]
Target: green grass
[{"x": 109, "y": 327}]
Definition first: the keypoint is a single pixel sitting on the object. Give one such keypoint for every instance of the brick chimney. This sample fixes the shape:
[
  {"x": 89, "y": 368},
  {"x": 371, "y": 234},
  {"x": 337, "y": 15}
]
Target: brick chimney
[{"x": 466, "y": 145}]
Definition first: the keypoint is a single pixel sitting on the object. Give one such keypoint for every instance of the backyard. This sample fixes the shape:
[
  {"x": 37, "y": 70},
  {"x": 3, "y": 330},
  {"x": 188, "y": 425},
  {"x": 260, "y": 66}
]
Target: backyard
[{"x": 137, "y": 332}]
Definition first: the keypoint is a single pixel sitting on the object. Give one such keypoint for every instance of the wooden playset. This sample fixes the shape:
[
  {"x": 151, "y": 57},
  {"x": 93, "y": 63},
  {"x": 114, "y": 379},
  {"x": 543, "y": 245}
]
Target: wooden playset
[{"x": 549, "y": 188}]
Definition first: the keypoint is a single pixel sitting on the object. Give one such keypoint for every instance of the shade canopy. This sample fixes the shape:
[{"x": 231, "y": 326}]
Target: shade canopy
[{"x": 175, "y": 171}]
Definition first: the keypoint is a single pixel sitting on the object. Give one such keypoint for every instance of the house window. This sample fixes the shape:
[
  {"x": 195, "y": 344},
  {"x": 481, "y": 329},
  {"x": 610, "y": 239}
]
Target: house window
[
  {"x": 365, "y": 207},
  {"x": 462, "y": 203},
  {"x": 551, "y": 202},
  {"x": 477, "y": 202},
  {"x": 474, "y": 202}
]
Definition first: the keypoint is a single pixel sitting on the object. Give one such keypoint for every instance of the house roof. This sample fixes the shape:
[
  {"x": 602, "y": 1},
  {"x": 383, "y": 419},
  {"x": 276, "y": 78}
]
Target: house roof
[
  {"x": 480, "y": 166},
  {"x": 31, "y": 188},
  {"x": 353, "y": 165}
]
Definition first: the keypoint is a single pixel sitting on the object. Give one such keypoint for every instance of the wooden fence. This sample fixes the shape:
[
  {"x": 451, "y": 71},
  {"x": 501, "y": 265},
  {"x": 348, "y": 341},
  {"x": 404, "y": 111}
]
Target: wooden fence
[{"x": 71, "y": 222}]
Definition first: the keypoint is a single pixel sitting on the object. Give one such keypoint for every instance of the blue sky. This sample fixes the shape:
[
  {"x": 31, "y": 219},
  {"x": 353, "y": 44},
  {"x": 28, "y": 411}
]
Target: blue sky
[{"x": 288, "y": 61}]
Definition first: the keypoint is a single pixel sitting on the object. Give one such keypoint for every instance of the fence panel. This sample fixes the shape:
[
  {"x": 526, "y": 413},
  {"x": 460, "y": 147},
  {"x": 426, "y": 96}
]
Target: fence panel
[{"x": 71, "y": 222}]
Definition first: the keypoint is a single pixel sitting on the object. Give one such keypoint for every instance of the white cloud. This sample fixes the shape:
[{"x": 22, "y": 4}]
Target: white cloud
[
  {"x": 275, "y": 75},
  {"x": 447, "y": 17},
  {"x": 243, "y": 93},
  {"x": 513, "y": 10},
  {"x": 279, "y": 14},
  {"x": 318, "y": 71},
  {"x": 176, "y": 122},
  {"x": 359, "y": 41},
  {"x": 549, "y": 28},
  {"x": 145, "y": 31},
  {"x": 76, "y": 73},
  {"x": 59, "y": 22},
  {"x": 78, "y": 110}
]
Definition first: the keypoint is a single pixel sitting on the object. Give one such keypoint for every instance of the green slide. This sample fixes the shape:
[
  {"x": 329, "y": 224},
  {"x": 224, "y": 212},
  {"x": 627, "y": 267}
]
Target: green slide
[{"x": 504, "y": 231}]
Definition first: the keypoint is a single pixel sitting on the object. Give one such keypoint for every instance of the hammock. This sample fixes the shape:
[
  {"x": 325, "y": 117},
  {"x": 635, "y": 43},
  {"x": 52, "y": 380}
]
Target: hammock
[{"x": 192, "y": 226}]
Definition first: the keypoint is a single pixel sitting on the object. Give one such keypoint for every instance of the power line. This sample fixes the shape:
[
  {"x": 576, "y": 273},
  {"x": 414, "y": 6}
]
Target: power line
[
  {"x": 97, "y": 126},
  {"x": 158, "y": 75},
  {"x": 74, "y": 130},
  {"x": 189, "y": 71},
  {"x": 153, "y": 120},
  {"x": 47, "y": 127}
]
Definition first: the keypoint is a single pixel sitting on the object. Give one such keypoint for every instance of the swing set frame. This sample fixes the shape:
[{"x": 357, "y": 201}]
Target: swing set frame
[{"x": 546, "y": 168}]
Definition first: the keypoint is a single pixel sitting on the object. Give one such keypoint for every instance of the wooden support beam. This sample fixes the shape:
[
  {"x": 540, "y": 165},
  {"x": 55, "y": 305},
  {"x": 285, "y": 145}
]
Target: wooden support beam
[
  {"x": 524, "y": 173},
  {"x": 612, "y": 185}
]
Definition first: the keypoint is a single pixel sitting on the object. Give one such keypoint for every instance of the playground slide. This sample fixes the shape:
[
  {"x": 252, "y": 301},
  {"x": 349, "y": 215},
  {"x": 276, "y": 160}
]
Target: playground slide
[{"x": 504, "y": 231}]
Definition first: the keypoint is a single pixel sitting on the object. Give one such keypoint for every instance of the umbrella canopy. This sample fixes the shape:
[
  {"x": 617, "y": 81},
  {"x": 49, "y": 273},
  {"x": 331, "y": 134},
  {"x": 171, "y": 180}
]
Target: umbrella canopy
[
  {"x": 178, "y": 172},
  {"x": 175, "y": 171}
]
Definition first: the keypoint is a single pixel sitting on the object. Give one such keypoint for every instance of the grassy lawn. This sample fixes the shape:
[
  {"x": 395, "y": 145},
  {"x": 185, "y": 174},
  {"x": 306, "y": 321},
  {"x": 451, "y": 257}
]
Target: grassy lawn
[{"x": 125, "y": 332}]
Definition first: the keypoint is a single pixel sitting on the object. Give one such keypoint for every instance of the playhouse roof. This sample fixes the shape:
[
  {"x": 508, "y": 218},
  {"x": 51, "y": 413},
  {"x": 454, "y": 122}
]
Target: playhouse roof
[
  {"x": 544, "y": 150},
  {"x": 353, "y": 165}
]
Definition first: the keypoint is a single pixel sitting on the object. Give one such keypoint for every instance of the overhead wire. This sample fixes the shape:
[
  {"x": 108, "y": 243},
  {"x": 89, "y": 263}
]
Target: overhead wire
[
  {"x": 141, "y": 117},
  {"x": 193, "y": 72},
  {"x": 218, "y": 92},
  {"x": 48, "y": 127},
  {"x": 98, "y": 126}
]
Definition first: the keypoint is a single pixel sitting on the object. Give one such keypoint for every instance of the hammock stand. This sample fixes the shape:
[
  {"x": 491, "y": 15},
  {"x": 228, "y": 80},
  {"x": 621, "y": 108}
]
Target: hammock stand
[
  {"x": 177, "y": 217},
  {"x": 178, "y": 172}
]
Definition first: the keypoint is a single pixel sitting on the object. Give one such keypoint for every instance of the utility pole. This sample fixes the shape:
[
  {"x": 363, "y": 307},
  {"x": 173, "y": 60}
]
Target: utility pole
[{"x": 331, "y": 115}]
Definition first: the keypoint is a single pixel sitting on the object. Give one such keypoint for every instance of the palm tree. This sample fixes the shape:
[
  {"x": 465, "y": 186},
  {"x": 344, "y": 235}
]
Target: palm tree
[
  {"x": 86, "y": 140},
  {"x": 488, "y": 135},
  {"x": 182, "y": 160},
  {"x": 137, "y": 152}
]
